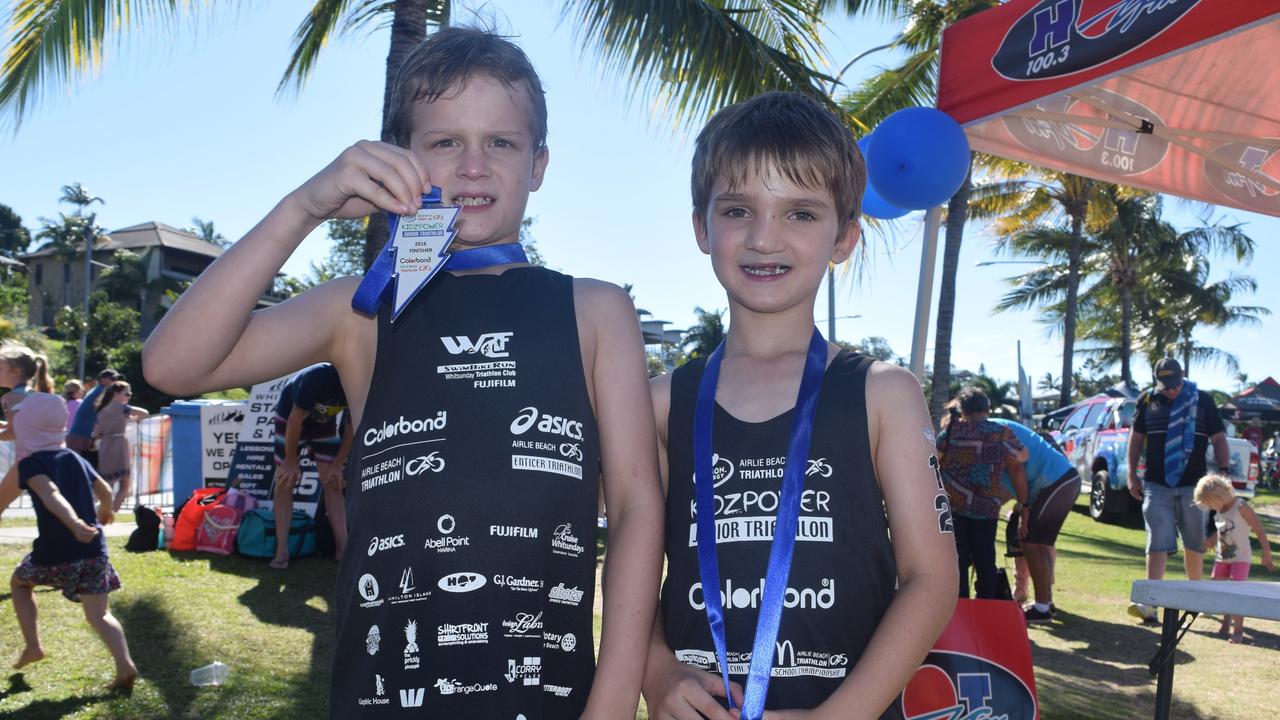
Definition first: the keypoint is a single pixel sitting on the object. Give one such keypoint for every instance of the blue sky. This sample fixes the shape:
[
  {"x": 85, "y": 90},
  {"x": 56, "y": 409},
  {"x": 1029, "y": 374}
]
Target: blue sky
[{"x": 187, "y": 123}]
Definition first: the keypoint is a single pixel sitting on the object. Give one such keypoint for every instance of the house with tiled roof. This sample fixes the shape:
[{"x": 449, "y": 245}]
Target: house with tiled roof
[{"x": 55, "y": 281}]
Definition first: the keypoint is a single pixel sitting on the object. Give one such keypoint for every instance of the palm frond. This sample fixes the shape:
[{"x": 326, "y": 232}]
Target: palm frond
[
  {"x": 315, "y": 31},
  {"x": 884, "y": 9},
  {"x": 911, "y": 83},
  {"x": 696, "y": 56},
  {"x": 53, "y": 43}
]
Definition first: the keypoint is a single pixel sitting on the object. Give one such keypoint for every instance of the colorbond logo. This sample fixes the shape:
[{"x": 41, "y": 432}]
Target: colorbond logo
[{"x": 1061, "y": 37}]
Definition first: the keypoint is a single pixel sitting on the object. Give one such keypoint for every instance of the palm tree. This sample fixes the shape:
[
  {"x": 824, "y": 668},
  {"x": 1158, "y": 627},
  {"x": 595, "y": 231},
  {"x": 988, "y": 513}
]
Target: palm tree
[
  {"x": 1002, "y": 404},
  {"x": 1140, "y": 265},
  {"x": 77, "y": 195},
  {"x": 706, "y": 335},
  {"x": 1039, "y": 195},
  {"x": 55, "y": 42},
  {"x": 914, "y": 82},
  {"x": 698, "y": 55},
  {"x": 205, "y": 231},
  {"x": 1048, "y": 382}
]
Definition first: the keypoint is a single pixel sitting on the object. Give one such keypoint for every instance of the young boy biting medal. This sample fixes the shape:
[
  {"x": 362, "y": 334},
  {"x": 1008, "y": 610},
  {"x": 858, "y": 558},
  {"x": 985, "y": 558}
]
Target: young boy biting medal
[
  {"x": 791, "y": 438},
  {"x": 484, "y": 414}
]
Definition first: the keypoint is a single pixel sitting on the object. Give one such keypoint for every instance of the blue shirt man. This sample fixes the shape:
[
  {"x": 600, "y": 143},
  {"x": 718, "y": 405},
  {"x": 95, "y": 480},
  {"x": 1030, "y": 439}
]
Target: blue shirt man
[
  {"x": 1045, "y": 465},
  {"x": 1052, "y": 487},
  {"x": 80, "y": 434}
]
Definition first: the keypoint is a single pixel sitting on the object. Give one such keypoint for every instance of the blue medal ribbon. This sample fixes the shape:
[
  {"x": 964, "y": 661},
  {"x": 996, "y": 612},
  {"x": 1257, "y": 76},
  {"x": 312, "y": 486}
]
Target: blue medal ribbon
[
  {"x": 378, "y": 283},
  {"x": 785, "y": 525}
]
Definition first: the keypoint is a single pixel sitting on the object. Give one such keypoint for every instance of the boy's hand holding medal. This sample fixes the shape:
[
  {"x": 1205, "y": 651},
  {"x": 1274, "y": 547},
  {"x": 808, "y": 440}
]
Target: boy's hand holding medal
[{"x": 367, "y": 177}]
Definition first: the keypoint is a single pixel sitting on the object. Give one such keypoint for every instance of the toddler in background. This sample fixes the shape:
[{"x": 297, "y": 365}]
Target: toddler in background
[{"x": 1234, "y": 521}]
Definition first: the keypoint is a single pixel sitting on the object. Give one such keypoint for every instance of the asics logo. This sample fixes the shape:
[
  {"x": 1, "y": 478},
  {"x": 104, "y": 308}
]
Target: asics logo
[{"x": 550, "y": 424}]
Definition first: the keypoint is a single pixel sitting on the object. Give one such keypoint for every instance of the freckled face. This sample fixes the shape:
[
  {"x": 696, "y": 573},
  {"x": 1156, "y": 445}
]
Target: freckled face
[
  {"x": 477, "y": 145},
  {"x": 770, "y": 240}
]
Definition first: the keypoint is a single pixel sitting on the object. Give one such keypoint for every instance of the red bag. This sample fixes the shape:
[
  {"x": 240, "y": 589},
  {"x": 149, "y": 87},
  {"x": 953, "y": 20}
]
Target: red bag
[
  {"x": 191, "y": 517},
  {"x": 982, "y": 660}
]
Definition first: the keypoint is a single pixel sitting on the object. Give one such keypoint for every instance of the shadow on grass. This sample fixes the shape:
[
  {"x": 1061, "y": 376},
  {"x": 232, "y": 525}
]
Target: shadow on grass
[
  {"x": 1101, "y": 654},
  {"x": 1208, "y": 627},
  {"x": 162, "y": 649},
  {"x": 1131, "y": 520},
  {"x": 17, "y": 684},
  {"x": 55, "y": 709},
  {"x": 280, "y": 597}
]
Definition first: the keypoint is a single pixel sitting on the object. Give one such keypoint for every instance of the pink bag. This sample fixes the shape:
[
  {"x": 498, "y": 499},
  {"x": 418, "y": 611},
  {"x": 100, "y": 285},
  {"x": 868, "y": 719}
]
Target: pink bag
[{"x": 217, "y": 533}]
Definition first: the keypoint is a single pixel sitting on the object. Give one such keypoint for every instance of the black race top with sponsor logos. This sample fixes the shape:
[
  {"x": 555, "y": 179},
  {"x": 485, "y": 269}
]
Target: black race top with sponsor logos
[
  {"x": 842, "y": 572},
  {"x": 316, "y": 390},
  {"x": 467, "y": 586}
]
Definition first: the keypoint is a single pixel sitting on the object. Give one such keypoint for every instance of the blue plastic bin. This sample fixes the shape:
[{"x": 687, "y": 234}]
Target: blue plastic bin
[{"x": 188, "y": 449}]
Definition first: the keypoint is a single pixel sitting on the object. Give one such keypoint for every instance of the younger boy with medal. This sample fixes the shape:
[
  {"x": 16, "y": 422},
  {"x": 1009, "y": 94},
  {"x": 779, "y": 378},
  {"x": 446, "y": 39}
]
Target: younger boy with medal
[
  {"x": 486, "y": 403},
  {"x": 788, "y": 462}
]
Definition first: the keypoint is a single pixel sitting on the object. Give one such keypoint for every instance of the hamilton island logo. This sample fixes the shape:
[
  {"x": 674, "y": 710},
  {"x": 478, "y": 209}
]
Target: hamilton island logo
[
  {"x": 957, "y": 686},
  {"x": 1062, "y": 37}
]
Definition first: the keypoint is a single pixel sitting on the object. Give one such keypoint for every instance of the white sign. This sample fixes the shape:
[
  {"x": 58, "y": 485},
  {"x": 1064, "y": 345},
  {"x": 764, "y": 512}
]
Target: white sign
[{"x": 219, "y": 426}]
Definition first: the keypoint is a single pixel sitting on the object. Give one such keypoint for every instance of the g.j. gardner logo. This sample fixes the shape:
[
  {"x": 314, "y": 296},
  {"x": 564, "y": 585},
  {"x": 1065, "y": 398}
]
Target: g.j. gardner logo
[{"x": 1061, "y": 37}]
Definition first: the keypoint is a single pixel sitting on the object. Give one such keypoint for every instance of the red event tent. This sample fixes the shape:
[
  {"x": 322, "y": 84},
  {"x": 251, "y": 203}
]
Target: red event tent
[{"x": 1176, "y": 96}]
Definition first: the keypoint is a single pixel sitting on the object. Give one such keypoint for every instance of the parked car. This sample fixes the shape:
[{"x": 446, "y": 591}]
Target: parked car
[{"x": 1095, "y": 438}]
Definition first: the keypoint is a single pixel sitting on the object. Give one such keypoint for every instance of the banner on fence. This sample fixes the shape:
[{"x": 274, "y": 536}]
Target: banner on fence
[
  {"x": 153, "y": 458},
  {"x": 253, "y": 467},
  {"x": 219, "y": 428},
  {"x": 979, "y": 668}
]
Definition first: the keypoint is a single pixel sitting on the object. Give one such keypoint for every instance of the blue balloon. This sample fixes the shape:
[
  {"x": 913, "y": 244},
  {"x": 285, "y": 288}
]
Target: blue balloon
[
  {"x": 917, "y": 158},
  {"x": 872, "y": 204}
]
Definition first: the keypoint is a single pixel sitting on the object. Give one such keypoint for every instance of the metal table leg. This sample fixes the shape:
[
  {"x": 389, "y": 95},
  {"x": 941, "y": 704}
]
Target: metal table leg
[
  {"x": 1171, "y": 632},
  {"x": 1168, "y": 643}
]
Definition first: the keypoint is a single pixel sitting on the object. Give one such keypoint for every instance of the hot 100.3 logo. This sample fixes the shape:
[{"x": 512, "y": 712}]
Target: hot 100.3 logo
[
  {"x": 1061, "y": 37},
  {"x": 959, "y": 686}
]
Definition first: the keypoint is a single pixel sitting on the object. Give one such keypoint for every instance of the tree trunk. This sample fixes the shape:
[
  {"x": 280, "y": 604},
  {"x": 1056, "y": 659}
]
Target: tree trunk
[
  {"x": 1126, "y": 319},
  {"x": 957, "y": 214},
  {"x": 408, "y": 28},
  {"x": 1069, "y": 320}
]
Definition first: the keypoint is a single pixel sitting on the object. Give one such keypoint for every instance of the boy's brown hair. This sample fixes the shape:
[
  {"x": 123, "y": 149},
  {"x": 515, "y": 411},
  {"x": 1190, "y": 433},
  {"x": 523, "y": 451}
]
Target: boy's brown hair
[
  {"x": 446, "y": 60},
  {"x": 792, "y": 132}
]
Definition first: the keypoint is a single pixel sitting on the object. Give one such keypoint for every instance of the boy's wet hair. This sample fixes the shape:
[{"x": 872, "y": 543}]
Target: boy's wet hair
[
  {"x": 789, "y": 131},
  {"x": 973, "y": 401},
  {"x": 1213, "y": 487},
  {"x": 446, "y": 60}
]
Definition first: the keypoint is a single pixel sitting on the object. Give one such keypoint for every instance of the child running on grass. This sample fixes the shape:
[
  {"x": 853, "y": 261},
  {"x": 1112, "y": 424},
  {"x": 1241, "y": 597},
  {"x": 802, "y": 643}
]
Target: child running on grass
[
  {"x": 1235, "y": 518},
  {"x": 777, "y": 184},
  {"x": 69, "y": 551},
  {"x": 484, "y": 415},
  {"x": 22, "y": 370}
]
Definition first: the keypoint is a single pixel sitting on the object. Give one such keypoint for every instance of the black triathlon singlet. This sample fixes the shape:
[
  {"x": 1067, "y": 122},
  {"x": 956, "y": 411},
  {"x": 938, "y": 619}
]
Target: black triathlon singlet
[
  {"x": 843, "y": 574},
  {"x": 467, "y": 585}
]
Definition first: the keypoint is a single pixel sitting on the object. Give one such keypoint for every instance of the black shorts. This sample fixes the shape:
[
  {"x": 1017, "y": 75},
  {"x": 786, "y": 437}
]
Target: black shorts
[{"x": 1051, "y": 508}]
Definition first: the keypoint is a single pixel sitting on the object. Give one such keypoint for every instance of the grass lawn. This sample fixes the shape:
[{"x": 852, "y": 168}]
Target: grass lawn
[{"x": 275, "y": 631}]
